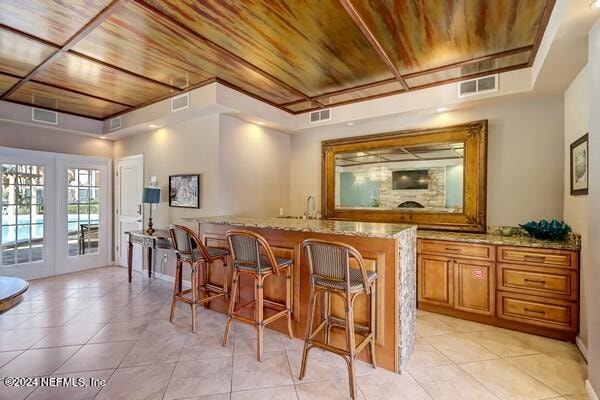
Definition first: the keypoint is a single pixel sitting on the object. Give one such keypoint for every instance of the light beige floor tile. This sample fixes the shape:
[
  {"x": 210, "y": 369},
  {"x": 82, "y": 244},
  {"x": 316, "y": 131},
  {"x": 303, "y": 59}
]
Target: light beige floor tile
[
  {"x": 462, "y": 325},
  {"x": 48, "y": 319},
  {"x": 222, "y": 396},
  {"x": 460, "y": 348},
  {"x": 7, "y": 356},
  {"x": 278, "y": 393},
  {"x": 542, "y": 344},
  {"x": 15, "y": 392},
  {"x": 137, "y": 313},
  {"x": 162, "y": 328},
  {"x": 323, "y": 366},
  {"x": 564, "y": 372},
  {"x": 21, "y": 339},
  {"x": 425, "y": 355},
  {"x": 203, "y": 346},
  {"x": 388, "y": 385},
  {"x": 501, "y": 343},
  {"x": 246, "y": 340},
  {"x": 431, "y": 326},
  {"x": 329, "y": 390},
  {"x": 120, "y": 331},
  {"x": 73, "y": 392},
  {"x": 137, "y": 383},
  {"x": 450, "y": 382},
  {"x": 38, "y": 362},
  {"x": 69, "y": 335},
  {"x": 200, "y": 378},
  {"x": 96, "y": 356},
  {"x": 154, "y": 351},
  {"x": 11, "y": 321},
  {"x": 507, "y": 381},
  {"x": 95, "y": 316},
  {"x": 248, "y": 373},
  {"x": 576, "y": 397}
]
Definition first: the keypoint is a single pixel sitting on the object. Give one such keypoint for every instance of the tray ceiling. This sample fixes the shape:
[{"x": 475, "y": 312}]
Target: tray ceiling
[{"x": 101, "y": 58}]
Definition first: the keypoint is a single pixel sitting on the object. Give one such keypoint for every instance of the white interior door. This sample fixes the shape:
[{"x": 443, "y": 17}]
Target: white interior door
[{"x": 129, "y": 183}]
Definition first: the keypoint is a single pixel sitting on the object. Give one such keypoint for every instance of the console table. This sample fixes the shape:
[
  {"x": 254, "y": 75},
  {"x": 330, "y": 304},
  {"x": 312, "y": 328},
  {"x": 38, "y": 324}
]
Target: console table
[{"x": 160, "y": 239}]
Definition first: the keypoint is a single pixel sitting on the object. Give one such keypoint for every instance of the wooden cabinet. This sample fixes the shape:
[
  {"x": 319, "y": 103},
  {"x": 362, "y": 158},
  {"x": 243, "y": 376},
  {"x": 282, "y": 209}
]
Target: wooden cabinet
[
  {"x": 474, "y": 286},
  {"x": 436, "y": 280},
  {"x": 530, "y": 289}
]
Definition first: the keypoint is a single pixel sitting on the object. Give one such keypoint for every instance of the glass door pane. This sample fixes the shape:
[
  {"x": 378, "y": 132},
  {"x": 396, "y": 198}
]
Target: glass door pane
[
  {"x": 83, "y": 211},
  {"x": 22, "y": 213}
]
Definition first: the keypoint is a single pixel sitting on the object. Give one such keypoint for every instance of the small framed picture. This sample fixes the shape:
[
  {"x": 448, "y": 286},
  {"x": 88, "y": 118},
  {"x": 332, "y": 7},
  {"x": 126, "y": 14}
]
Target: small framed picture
[
  {"x": 579, "y": 166},
  {"x": 184, "y": 191}
]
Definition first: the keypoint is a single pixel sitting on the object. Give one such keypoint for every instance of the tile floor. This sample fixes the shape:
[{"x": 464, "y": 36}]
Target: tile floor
[{"x": 96, "y": 325}]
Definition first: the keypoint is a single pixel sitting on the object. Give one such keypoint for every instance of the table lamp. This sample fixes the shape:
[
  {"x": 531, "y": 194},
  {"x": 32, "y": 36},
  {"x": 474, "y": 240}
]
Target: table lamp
[{"x": 151, "y": 196}]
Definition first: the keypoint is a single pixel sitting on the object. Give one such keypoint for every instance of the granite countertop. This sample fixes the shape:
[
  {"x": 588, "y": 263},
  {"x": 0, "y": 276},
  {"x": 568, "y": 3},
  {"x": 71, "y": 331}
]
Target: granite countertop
[
  {"x": 572, "y": 243},
  {"x": 350, "y": 228}
]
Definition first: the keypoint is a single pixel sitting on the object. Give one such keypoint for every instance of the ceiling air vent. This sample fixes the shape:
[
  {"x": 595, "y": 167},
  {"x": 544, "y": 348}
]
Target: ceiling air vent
[
  {"x": 319, "y": 116},
  {"x": 44, "y": 116},
  {"x": 487, "y": 84},
  {"x": 114, "y": 124},
  {"x": 180, "y": 102}
]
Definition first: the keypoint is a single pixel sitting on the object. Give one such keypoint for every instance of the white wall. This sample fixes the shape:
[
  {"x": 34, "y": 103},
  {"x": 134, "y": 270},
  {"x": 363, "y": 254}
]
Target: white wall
[
  {"x": 42, "y": 138},
  {"x": 525, "y": 154},
  {"x": 189, "y": 147},
  {"x": 593, "y": 278},
  {"x": 243, "y": 167},
  {"x": 254, "y": 168},
  {"x": 575, "y": 209}
]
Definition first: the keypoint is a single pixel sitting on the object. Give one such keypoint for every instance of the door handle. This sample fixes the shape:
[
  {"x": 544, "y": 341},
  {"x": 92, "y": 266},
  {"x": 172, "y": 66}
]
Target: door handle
[{"x": 139, "y": 211}]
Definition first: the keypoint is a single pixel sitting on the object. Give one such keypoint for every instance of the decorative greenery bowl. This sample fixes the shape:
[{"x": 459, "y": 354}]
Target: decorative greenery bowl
[{"x": 547, "y": 230}]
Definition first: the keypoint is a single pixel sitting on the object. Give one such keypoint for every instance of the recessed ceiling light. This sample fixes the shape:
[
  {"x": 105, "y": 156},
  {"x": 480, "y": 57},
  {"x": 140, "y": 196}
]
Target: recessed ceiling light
[
  {"x": 152, "y": 126},
  {"x": 442, "y": 109},
  {"x": 102, "y": 137},
  {"x": 261, "y": 122},
  {"x": 595, "y": 4},
  {"x": 350, "y": 123}
]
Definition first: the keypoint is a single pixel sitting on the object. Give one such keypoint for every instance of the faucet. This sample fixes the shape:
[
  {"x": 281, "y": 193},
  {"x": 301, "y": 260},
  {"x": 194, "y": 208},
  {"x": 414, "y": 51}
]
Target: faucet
[{"x": 310, "y": 208}]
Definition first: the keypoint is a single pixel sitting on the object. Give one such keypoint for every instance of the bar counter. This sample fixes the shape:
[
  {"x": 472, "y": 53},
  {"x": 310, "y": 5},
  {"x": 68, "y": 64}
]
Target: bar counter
[{"x": 388, "y": 249}]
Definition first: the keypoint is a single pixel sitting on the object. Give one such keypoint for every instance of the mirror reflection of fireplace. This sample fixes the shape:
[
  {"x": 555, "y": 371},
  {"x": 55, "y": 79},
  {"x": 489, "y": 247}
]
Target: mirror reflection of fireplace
[{"x": 423, "y": 177}]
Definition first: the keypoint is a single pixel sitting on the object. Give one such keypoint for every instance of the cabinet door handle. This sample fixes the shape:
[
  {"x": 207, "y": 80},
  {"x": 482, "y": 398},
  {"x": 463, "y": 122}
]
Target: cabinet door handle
[
  {"x": 528, "y": 310},
  {"x": 538, "y": 259},
  {"x": 537, "y": 281},
  {"x": 452, "y": 249}
]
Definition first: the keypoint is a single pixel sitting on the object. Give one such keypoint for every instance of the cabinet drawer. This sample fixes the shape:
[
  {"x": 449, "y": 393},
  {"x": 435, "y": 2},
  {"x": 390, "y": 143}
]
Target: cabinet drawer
[
  {"x": 456, "y": 249},
  {"x": 556, "y": 258},
  {"x": 554, "y": 314},
  {"x": 542, "y": 281}
]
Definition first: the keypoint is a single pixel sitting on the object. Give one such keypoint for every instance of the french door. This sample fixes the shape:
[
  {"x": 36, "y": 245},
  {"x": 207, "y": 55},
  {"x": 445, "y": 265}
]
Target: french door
[
  {"x": 27, "y": 218},
  {"x": 83, "y": 214},
  {"x": 55, "y": 213}
]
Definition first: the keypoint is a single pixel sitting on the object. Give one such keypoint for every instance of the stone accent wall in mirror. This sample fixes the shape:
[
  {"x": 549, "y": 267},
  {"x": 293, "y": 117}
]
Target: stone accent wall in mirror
[{"x": 435, "y": 178}]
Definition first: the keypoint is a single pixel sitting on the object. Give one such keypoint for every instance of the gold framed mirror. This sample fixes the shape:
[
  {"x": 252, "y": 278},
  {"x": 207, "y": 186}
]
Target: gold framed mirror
[{"x": 435, "y": 178}]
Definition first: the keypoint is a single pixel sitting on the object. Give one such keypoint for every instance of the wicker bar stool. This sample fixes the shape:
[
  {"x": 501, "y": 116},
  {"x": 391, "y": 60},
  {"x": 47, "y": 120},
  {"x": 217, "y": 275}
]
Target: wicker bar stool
[
  {"x": 189, "y": 249},
  {"x": 247, "y": 259},
  {"x": 330, "y": 274}
]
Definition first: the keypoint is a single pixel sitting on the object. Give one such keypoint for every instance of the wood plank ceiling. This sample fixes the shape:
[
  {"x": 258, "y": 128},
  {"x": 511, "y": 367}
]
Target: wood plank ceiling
[{"x": 100, "y": 58}]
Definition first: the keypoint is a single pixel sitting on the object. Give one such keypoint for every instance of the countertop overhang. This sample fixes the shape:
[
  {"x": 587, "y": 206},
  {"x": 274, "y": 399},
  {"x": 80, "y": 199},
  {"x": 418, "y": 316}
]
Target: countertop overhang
[{"x": 349, "y": 228}]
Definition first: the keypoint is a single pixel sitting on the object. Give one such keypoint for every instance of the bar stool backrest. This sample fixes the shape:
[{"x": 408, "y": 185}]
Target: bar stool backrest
[
  {"x": 185, "y": 241},
  {"x": 331, "y": 261},
  {"x": 245, "y": 249}
]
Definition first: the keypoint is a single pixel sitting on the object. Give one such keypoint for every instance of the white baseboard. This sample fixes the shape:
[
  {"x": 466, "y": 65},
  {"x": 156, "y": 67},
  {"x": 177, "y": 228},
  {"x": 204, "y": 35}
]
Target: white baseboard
[
  {"x": 581, "y": 346},
  {"x": 590, "y": 390}
]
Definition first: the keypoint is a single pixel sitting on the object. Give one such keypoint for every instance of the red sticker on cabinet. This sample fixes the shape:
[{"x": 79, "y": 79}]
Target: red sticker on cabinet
[{"x": 478, "y": 273}]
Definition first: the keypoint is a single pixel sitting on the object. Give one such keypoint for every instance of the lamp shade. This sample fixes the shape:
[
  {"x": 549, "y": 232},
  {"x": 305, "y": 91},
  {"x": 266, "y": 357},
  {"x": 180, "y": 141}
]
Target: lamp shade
[{"x": 151, "y": 196}]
